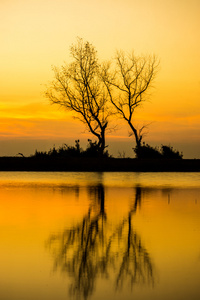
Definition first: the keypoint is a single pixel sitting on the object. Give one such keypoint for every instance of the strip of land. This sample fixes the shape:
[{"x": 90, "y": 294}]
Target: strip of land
[{"x": 98, "y": 164}]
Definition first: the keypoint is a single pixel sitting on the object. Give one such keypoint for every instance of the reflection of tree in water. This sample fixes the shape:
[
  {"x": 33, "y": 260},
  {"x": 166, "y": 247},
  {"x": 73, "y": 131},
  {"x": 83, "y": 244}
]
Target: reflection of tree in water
[
  {"x": 135, "y": 265},
  {"x": 80, "y": 249},
  {"x": 88, "y": 249}
]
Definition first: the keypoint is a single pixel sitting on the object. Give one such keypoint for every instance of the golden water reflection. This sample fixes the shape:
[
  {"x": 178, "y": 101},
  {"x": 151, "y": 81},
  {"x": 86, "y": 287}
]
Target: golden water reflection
[
  {"x": 94, "y": 247},
  {"x": 99, "y": 236}
]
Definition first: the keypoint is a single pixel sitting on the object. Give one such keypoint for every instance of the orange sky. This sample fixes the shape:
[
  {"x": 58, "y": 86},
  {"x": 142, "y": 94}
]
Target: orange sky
[{"x": 37, "y": 34}]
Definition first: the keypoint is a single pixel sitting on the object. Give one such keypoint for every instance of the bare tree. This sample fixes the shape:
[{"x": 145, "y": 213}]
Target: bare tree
[
  {"x": 78, "y": 87},
  {"x": 127, "y": 86}
]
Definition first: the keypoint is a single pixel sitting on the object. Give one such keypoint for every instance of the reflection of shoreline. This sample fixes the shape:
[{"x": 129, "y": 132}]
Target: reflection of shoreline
[{"x": 89, "y": 249}]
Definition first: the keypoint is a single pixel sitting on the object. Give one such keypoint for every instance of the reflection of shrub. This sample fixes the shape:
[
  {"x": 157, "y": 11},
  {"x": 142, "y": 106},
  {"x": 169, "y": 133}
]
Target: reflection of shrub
[{"x": 147, "y": 151}]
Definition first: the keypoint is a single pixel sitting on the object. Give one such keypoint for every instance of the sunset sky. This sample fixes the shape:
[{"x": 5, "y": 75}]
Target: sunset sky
[{"x": 36, "y": 34}]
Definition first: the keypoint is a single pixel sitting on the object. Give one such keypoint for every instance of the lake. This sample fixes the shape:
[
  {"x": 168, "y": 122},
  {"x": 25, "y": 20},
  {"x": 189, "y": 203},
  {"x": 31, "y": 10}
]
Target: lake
[{"x": 85, "y": 235}]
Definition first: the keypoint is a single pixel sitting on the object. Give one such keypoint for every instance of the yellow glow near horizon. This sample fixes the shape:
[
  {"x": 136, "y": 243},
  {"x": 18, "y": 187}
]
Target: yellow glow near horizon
[{"x": 36, "y": 35}]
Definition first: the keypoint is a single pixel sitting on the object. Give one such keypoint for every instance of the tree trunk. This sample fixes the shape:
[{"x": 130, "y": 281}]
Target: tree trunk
[
  {"x": 102, "y": 143},
  {"x": 138, "y": 140}
]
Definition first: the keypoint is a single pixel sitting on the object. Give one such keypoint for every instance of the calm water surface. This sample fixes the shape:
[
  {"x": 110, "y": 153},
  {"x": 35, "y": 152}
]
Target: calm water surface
[{"x": 99, "y": 235}]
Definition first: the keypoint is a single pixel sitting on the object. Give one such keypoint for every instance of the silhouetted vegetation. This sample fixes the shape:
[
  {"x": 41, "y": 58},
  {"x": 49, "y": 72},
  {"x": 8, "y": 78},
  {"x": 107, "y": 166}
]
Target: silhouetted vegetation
[
  {"x": 149, "y": 152},
  {"x": 78, "y": 87},
  {"x": 96, "y": 91},
  {"x": 170, "y": 152},
  {"x": 92, "y": 150},
  {"x": 127, "y": 84}
]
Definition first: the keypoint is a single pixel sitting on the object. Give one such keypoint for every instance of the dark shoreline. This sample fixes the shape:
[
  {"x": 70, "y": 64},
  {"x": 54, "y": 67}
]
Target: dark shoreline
[{"x": 81, "y": 164}]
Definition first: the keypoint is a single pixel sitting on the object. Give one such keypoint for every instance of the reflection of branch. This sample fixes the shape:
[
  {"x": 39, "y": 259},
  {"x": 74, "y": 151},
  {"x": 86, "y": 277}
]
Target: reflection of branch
[
  {"x": 87, "y": 251},
  {"x": 77, "y": 246},
  {"x": 136, "y": 264}
]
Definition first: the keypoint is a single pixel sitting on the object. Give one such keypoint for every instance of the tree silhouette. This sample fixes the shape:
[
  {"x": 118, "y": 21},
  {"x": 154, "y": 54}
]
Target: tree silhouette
[
  {"x": 78, "y": 87},
  {"x": 127, "y": 86}
]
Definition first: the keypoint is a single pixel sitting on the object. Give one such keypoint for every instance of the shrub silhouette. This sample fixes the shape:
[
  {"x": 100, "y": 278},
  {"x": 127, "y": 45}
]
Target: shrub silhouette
[
  {"x": 64, "y": 151},
  {"x": 92, "y": 150},
  {"x": 170, "y": 152},
  {"x": 146, "y": 151},
  {"x": 166, "y": 152}
]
